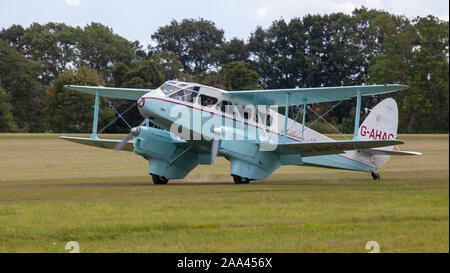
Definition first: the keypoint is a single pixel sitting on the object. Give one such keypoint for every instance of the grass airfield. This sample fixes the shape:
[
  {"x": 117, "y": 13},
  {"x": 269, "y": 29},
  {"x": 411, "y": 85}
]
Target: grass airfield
[{"x": 53, "y": 192}]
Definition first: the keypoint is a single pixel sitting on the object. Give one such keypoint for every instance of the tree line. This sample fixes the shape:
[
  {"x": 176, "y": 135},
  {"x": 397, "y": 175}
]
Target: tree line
[{"x": 366, "y": 47}]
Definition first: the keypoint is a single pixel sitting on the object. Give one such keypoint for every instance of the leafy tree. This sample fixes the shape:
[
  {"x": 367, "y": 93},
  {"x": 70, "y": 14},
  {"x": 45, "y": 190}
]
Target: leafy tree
[
  {"x": 71, "y": 111},
  {"x": 19, "y": 77},
  {"x": 238, "y": 76},
  {"x": 6, "y": 119},
  {"x": 141, "y": 74},
  {"x": 195, "y": 42},
  {"x": 139, "y": 52},
  {"x": 14, "y": 35},
  {"x": 168, "y": 64},
  {"x": 211, "y": 78},
  {"x": 52, "y": 45},
  {"x": 233, "y": 51},
  {"x": 418, "y": 57},
  {"x": 119, "y": 73},
  {"x": 278, "y": 54},
  {"x": 101, "y": 49},
  {"x": 144, "y": 75}
]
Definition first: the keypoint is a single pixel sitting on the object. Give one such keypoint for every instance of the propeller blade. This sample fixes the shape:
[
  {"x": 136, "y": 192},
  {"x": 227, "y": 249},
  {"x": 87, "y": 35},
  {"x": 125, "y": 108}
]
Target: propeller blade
[
  {"x": 124, "y": 141},
  {"x": 133, "y": 132}
]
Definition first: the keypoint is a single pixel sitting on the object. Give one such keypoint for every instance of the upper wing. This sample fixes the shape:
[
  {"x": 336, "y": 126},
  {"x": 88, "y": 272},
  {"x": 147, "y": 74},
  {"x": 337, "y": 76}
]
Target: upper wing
[
  {"x": 101, "y": 143},
  {"x": 309, "y": 95},
  {"x": 112, "y": 92},
  {"x": 332, "y": 147}
]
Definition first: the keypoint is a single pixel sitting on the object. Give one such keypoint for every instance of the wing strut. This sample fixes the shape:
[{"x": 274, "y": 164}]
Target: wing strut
[
  {"x": 357, "y": 114},
  {"x": 303, "y": 119},
  {"x": 96, "y": 108},
  {"x": 286, "y": 113}
]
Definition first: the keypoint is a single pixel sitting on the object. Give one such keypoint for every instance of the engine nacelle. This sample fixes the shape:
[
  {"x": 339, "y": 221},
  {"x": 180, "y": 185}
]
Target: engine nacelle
[
  {"x": 247, "y": 160},
  {"x": 163, "y": 153}
]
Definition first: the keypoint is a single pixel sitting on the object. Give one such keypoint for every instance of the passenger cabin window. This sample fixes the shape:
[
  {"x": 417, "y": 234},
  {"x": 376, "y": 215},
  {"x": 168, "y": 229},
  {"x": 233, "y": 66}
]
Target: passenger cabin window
[
  {"x": 268, "y": 121},
  {"x": 190, "y": 94},
  {"x": 245, "y": 112},
  {"x": 226, "y": 107},
  {"x": 245, "y": 115},
  {"x": 206, "y": 100}
]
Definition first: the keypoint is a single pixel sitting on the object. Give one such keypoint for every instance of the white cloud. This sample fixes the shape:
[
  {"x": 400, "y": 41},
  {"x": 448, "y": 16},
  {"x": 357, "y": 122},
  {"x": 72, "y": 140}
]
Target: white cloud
[
  {"x": 72, "y": 2},
  {"x": 261, "y": 11}
]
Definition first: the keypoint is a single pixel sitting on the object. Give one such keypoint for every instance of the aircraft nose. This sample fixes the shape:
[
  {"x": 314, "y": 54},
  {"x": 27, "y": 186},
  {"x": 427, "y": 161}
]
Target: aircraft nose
[
  {"x": 147, "y": 107},
  {"x": 143, "y": 107},
  {"x": 141, "y": 102}
]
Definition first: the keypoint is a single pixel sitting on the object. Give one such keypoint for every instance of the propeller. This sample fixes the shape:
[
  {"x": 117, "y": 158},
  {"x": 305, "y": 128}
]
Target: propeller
[
  {"x": 133, "y": 132},
  {"x": 215, "y": 144}
]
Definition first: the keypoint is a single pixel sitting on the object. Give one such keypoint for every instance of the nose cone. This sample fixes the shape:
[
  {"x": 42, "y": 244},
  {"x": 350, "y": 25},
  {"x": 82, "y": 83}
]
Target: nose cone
[
  {"x": 135, "y": 131},
  {"x": 144, "y": 108}
]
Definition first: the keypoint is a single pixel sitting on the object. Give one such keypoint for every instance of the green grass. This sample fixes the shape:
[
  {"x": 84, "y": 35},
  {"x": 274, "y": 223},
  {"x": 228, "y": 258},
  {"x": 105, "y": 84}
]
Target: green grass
[{"x": 52, "y": 192}]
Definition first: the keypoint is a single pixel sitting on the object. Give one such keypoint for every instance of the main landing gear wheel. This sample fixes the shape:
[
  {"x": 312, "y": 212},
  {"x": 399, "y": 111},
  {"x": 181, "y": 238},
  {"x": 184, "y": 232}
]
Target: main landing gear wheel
[
  {"x": 375, "y": 176},
  {"x": 159, "y": 180},
  {"x": 240, "y": 180}
]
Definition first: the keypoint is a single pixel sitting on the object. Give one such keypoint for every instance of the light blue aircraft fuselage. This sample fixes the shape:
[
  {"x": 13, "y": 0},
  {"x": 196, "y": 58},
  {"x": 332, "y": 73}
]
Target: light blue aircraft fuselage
[{"x": 194, "y": 123}]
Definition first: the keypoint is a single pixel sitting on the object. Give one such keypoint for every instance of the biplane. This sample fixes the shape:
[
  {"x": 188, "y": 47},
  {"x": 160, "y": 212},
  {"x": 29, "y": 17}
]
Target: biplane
[{"x": 186, "y": 124}]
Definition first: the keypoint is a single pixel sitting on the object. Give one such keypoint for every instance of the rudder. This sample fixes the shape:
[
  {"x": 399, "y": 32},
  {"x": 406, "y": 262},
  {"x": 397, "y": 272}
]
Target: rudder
[{"x": 380, "y": 124}]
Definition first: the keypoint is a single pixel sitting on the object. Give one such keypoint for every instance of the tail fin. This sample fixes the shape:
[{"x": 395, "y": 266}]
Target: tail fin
[{"x": 381, "y": 123}]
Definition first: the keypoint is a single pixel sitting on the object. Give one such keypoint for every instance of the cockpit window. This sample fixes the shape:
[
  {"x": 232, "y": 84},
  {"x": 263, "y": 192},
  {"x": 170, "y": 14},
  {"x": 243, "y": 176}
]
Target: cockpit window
[
  {"x": 188, "y": 92},
  {"x": 169, "y": 88}
]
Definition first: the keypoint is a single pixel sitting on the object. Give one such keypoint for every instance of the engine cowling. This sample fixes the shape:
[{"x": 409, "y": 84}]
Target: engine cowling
[{"x": 161, "y": 150}]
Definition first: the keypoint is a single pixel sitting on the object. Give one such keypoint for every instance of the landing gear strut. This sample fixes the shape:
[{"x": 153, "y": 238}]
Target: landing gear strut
[
  {"x": 159, "y": 180},
  {"x": 375, "y": 176},
  {"x": 240, "y": 180}
]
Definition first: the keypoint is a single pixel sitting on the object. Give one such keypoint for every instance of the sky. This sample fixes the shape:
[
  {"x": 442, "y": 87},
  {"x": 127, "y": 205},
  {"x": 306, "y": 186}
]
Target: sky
[{"x": 139, "y": 19}]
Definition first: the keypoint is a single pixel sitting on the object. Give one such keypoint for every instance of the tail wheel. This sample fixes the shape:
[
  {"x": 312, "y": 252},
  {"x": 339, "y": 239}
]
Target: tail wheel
[
  {"x": 240, "y": 180},
  {"x": 375, "y": 176},
  {"x": 159, "y": 180}
]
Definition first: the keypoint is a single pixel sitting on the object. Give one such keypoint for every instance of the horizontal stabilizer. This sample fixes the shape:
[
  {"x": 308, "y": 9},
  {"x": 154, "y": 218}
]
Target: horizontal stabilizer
[
  {"x": 386, "y": 152},
  {"x": 111, "y": 92},
  {"x": 332, "y": 147},
  {"x": 101, "y": 143}
]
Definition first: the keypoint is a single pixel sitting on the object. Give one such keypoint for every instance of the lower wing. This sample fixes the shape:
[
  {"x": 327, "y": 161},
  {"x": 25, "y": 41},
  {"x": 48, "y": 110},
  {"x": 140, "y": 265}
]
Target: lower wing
[
  {"x": 101, "y": 143},
  {"x": 333, "y": 147}
]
